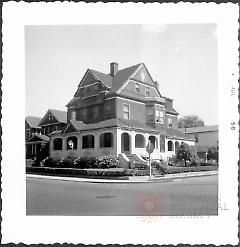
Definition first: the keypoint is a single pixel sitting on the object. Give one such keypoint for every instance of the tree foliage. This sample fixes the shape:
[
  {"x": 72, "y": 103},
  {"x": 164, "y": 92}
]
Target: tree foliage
[
  {"x": 190, "y": 121},
  {"x": 184, "y": 152}
]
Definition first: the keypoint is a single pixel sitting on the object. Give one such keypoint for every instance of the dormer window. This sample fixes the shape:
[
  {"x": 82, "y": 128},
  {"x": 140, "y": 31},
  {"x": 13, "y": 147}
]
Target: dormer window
[
  {"x": 147, "y": 91},
  {"x": 50, "y": 117},
  {"x": 137, "y": 87}
]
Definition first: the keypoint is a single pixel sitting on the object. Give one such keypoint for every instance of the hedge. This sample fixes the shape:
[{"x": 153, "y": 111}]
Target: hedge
[
  {"x": 71, "y": 172},
  {"x": 175, "y": 169}
]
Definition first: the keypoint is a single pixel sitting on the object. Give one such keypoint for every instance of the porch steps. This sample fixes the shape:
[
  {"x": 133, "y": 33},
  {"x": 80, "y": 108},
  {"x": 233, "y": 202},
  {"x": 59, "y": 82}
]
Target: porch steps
[{"x": 135, "y": 158}]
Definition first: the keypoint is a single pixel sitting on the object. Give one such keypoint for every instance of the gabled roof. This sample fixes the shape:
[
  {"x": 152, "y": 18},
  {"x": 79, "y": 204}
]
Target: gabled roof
[
  {"x": 122, "y": 76},
  {"x": 38, "y": 137},
  {"x": 104, "y": 78},
  {"x": 33, "y": 121},
  {"x": 200, "y": 129},
  {"x": 60, "y": 116}
]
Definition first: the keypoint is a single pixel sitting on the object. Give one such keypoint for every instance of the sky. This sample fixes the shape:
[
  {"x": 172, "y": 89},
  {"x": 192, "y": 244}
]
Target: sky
[{"x": 181, "y": 57}]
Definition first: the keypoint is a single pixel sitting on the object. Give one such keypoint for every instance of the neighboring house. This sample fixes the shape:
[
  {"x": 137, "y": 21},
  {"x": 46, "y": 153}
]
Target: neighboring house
[
  {"x": 205, "y": 137},
  {"x": 34, "y": 145},
  {"x": 118, "y": 113},
  {"x": 53, "y": 120},
  {"x": 31, "y": 126}
]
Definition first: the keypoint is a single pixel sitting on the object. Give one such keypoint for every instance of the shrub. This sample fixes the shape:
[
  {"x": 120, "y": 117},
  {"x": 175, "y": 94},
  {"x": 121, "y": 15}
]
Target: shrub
[
  {"x": 50, "y": 162},
  {"x": 66, "y": 162},
  {"x": 107, "y": 162},
  {"x": 78, "y": 172},
  {"x": 84, "y": 162},
  {"x": 138, "y": 166},
  {"x": 184, "y": 153}
]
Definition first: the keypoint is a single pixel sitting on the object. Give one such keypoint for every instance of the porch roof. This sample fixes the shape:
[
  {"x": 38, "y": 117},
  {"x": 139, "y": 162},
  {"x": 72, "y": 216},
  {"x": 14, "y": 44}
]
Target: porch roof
[{"x": 38, "y": 137}]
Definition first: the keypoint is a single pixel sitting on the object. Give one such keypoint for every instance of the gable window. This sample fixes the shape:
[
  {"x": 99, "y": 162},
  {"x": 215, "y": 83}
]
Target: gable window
[
  {"x": 57, "y": 144},
  {"x": 159, "y": 116},
  {"x": 147, "y": 91},
  {"x": 87, "y": 141},
  {"x": 169, "y": 123},
  {"x": 126, "y": 111},
  {"x": 106, "y": 140},
  {"x": 150, "y": 114},
  {"x": 107, "y": 110},
  {"x": 137, "y": 87},
  {"x": 73, "y": 115},
  {"x": 50, "y": 117}
]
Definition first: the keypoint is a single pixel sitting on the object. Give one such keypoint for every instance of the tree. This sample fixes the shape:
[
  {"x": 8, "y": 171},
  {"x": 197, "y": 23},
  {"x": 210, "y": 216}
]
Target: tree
[
  {"x": 190, "y": 121},
  {"x": 43, "y": 153},
  {"x": 212, "y": 153},
  {"x": 184, "y": 152}
]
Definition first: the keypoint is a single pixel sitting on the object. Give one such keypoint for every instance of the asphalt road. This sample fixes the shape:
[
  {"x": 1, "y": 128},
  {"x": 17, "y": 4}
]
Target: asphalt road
[{"x": 181, "y": 197}]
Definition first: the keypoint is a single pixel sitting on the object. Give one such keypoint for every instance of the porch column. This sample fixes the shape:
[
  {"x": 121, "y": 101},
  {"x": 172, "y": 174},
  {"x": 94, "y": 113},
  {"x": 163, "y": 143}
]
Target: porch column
[
  {"x": 35, "y": 148},
  {"x": 132, "y": 142},
  {"x": 118, "y": 141}
]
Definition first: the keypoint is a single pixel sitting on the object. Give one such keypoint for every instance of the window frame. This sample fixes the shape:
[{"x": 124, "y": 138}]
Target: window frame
[
  {"x": 103, "y": 141},
  {"x": 73, "y": 113},
  {"x": 137, "y": 87},
  {"x": 147, "y": 91},
  {"x": 54, "y": 148},
  {"x": 128, "y": 112}
]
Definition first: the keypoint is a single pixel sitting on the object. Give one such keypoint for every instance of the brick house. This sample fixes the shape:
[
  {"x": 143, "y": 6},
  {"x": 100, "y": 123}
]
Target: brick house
[{"x": 118, "y": 113}]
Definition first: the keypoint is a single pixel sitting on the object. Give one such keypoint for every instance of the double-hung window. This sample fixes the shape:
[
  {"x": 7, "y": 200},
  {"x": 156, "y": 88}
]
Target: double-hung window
[
  {"x": 126, "y": 111},
  {"x": 169, "y": 123},
  {"x": 137, "y": 87},
  {"x": 159, "y": 116}
]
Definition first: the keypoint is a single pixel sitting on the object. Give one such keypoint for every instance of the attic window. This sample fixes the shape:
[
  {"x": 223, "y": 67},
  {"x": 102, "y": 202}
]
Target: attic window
[
  {"x": 147, "y": 91},
  {"x": 50, "y": 117},
  {"x": 137, "y": 87}
]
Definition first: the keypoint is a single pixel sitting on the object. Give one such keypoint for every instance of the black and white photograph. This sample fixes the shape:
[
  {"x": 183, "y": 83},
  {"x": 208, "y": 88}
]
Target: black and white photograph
[
  {"x": 110, "y": 105},
  {"x": 121, "y": 118}
]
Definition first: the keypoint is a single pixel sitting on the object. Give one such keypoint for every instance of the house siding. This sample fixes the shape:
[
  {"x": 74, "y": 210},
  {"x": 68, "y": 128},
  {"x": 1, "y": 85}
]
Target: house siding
[{"x": 137, "y": 110}]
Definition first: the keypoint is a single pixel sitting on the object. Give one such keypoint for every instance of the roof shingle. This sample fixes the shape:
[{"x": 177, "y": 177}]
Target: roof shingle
[{"x": 33, "y": 121}]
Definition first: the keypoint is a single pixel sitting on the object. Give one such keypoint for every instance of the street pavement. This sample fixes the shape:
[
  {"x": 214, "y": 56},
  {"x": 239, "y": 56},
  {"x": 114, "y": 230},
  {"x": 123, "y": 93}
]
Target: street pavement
[{"x": 176, "y": 197}]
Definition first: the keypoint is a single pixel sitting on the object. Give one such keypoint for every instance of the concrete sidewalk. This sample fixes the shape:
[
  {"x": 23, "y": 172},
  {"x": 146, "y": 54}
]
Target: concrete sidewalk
[{"x": 137, "y": 179}]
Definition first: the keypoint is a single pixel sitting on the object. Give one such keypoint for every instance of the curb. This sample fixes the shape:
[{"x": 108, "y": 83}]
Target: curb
[{"x": 134, "y": 180}]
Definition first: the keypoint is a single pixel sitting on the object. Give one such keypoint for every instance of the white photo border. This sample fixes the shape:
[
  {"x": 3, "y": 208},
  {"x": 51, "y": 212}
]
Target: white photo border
[{"x": 17, "y": 227}]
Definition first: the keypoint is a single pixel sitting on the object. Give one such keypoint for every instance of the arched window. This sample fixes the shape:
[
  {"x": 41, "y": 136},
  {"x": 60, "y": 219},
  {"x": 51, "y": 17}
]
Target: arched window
[
  {"x": 170, "y": 146},
  {"x": 57, "y": 144},
  {"x": 106, "y": 140},
  {"x": 162, "y": 143},
  {"x": 72, "y": 142},
  {"x": 139, "y": 141},
  {"x": 88, "y": 141},
  {"x": 153, "y": 140}
]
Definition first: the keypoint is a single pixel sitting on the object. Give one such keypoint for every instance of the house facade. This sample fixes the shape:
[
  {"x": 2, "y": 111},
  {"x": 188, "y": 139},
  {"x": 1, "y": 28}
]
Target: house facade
[
  {"x": 118, "y": 113},
  {"x": 205, "y": 137}
]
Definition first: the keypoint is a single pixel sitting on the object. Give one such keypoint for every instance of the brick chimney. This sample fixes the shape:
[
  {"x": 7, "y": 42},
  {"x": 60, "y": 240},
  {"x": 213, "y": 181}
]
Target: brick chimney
[{"x": 113, "y": 69}]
